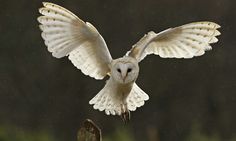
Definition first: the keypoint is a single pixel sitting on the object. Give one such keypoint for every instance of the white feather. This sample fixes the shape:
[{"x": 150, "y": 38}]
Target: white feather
[
  {"x": 109, "y": 99},
  {"x": 184, "y": 41},
  {"x": 136, "y": 98},
  {"x": 65, "y": 34},
  {"x": 106, "y": 100}
]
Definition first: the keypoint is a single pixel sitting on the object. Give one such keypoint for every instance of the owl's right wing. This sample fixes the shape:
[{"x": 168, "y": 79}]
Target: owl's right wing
[
  {"x": 67, "y": 35},
  {"x": 185, "y": 41}
]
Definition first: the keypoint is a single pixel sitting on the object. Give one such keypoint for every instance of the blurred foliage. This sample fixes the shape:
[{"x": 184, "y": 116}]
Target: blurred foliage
[
  {"x": 120, "y": 134},
  {"x": 9, "y": 133},
  {"x": 123, "y": 134},
  {"x": 197, "y": 135}
]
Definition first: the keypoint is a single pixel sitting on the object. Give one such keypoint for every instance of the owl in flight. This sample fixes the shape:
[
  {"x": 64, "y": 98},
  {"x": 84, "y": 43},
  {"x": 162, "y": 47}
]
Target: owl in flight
[{"x": 65, "y": 34}]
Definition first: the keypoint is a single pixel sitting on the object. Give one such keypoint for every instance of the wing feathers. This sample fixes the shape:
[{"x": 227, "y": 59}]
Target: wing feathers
[
  {"x": 184, "y": 41},
  {"x": 50, "y": 13},
  {"x": 204, "y": 24},
  {"x": 67, "y": 35},
  {"x": 60, "y": 10}
]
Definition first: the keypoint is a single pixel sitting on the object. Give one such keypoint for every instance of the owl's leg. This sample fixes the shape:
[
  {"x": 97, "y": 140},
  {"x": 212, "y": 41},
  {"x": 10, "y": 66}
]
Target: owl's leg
[{"x": 125, "y": 113}]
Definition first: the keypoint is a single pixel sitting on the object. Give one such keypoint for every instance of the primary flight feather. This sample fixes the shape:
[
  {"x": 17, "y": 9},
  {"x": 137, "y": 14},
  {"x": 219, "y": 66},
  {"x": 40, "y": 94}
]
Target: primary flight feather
[{"x": 65, "y": 34}]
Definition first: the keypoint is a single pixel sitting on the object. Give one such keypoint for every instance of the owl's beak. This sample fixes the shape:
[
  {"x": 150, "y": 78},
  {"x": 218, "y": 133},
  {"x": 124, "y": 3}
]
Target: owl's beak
[
  {"x": 124, "y": 80},
  {"x": 124, "y": 75}
]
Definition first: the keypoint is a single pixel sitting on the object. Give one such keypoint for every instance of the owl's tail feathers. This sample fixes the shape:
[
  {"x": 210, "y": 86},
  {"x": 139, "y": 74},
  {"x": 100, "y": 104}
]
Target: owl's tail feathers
[
  {"x": 106, "y": 101},
  {"x": 136, "y": 98}
]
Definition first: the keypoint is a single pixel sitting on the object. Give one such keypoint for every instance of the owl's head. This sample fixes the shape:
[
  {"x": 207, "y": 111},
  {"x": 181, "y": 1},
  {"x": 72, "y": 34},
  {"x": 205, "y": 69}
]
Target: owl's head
[{"x": 124, "y": 70}]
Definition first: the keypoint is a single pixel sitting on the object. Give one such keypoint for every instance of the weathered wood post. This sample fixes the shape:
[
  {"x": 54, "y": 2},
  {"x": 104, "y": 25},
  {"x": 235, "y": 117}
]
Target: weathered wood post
[{"x": 89, "y": 132}]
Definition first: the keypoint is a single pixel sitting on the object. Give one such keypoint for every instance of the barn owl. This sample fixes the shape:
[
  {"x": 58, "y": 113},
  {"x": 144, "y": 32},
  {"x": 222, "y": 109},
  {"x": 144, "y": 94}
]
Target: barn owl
[{"x": 65, "y": 34}]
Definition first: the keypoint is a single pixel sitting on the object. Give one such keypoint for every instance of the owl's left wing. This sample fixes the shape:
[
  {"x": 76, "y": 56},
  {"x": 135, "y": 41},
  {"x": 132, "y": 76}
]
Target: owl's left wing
[
  {"x": 67, "y": 35},
  {"x": 185, "y": 41}
]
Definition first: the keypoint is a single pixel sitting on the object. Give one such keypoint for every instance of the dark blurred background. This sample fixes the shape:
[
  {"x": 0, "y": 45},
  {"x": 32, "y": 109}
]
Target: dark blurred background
[{"x": 43, "y": 98}]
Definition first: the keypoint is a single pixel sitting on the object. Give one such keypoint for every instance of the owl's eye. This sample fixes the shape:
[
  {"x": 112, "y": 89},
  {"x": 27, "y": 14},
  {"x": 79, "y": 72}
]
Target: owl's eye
[
  {"x": 119, "y": 70},
  {"x": 129, "y": 70}
]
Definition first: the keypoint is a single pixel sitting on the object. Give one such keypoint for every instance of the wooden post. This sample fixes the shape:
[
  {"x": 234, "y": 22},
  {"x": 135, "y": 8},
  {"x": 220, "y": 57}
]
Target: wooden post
[{"x": 89, "y": 132}]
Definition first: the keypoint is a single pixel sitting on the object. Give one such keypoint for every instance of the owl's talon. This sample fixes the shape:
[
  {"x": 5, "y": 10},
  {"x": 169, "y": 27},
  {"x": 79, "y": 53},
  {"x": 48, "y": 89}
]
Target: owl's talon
[
  {"x": 125, "y": 113},
  {"x": 126, "y": 116}
]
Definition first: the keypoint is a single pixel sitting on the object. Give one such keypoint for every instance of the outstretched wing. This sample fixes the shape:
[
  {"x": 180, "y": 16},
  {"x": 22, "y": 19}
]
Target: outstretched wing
[
  {"x": 184, "y": 41},
  {"x": 67, "y": 35}
]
